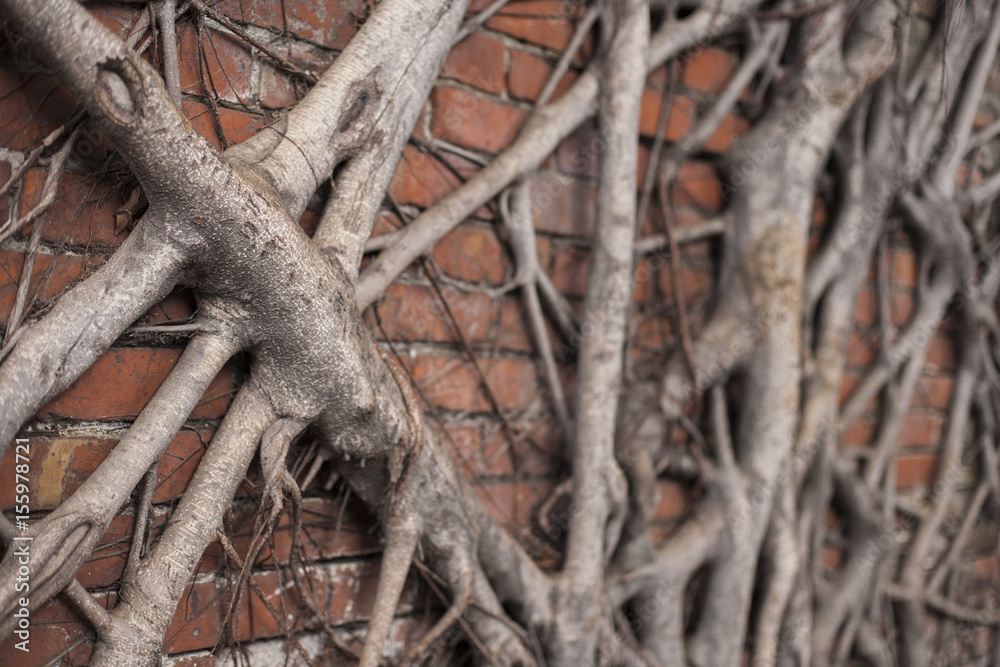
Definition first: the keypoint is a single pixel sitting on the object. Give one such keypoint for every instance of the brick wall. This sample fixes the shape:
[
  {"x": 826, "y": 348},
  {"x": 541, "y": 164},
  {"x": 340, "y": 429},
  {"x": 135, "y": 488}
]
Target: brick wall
[{"x": 484, "y": 94}]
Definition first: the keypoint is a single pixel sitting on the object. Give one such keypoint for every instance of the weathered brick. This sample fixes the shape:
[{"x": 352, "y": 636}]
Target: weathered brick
[
  {"x": 415, "y": 313},
  {"x": 848, "y": 384},
  {"x": 654, "y": 333},
  {"x": 730, "y": 129},
  {"x": 682, "y": 114},
  {"x": 543, "y": 22},
  {"x": 859, "y": 434},
  {"x": 529, "y": 74},
  {"x": 451, "y": 383},
  {"x": 579, "y": 154},
  {"x": 107, "y": 563},
  {"x": 562, "y": 205},
  {"x": 55, "y": 626},
  {"x": 237, "y": 126},
  {"x": 472, "y": 254},
  {"x": 866, "y": 310},
  {"x": 919, "y": 431},
  {"x": 122, "y": 381},
  {"x": 117, "y": 19},
  {"x": 672, "y": 500},
  {"x": 59, "y": 466},
  {"x": 697, "y": 184},
  {"x": 904, "y": 267},
  {"x": 227, "y": 64},
  {"x": 861, "y": 349},
  {"x": 83, "y": 213},
  {"x": 513, "y": 503},
  {"x": 5, "y": 199},
  {"x": 178, "y": 305},
  {"x": 477, "y": 61},
  {"x": 329, "y": 530},
  {"x": 901, "y": 307},
  {"x": 915, "y": 470},
  {"x": 487, "y": 451},
  {"x": 933, "y": 392},
  {"x": 330, "y": 24},
  {"x": 50, "y": 275},
  {"x": 832, "y": 558},
  {"x": 31, "y": 106},
  {"x": 423, "y": 180},
  {"x": 567, "y": 264},
  {"x": 708, "y": 69},
  {"x": 473, "y": 122},
  {"x": 197, "y": 623},
  {"x": 941, "y": 353}
]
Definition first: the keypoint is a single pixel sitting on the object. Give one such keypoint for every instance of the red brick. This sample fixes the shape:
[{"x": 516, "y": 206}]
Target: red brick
[
  {"x": 848, "y": 384},
  {"x": 415, "y": 313},
  {"x": 107, "y": 563},
  {"x": 121, "y": 382},
  {"x": 730, "y": 129},
  {"x": 933, "y": 392},
  {"x": 672, "y": 500},
  {"x": 861, "y": 349},
  {"x": 83, "y": 213},
  {"x": 915, "y": 470},
  {"x": 264, "y": 13},
  {"x": 543, "y": 22},
  {"x": 59, "y": 466},
  {"x": 866, "y": 310},
  {"x": 901, "y": 305},
  {"x": 529, "y": 74},
  {"x": 941, "y": 354},
  {"x": 423, "y": 180},
  {"x": 904, "y": 267},
  {"x": 919, "y": 431},
  {"x": 179, "y": 463},
  {"x": 697, "y": 184},
  {"x": 118, "y": 20},
  {"x": 227, "y": 63},
  {"x": 859, "y": 434},
  {"x": 178, "y": 305},
  {"x": 31, "y": 106},
  {"x": 654, "y": 333},
  {"x": 4, "y": 200},
  {"x": 832, "y": 558},
  {"x": 513, "y": 504},
  {"x": 535, "y": 452},
  {"x": 50, "y": 275},
  {"x": 471, "y": 254},
  {"x": 55, "y": 626},
  {"x": 682, "y": 113},
  {"x": 579, "y": 154},
  {"x": 514, "y": 328},
  {"x": 452, "y": 384},
  {"x": 237, "y": 126},
  {"x": 473, "y": 122},
  {"x": 278, "y": 88},
  {"x": 329, "y": 530},
  {"x": 197, "y": 623},
  {"x": 477, "y": 61},
  {"x": 331, "y": 24},
  {"x": 563, "y": 205},
  {"x": 659, "y": 532},
  {"x": 708, "y": 69},
  {"x": 567, "y": 265},
  {"x": 696, "y": 281}
]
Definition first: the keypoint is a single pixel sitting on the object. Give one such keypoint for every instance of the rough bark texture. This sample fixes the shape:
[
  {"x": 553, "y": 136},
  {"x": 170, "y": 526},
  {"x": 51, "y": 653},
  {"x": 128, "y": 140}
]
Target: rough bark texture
[{"x": 865, "y": 110}]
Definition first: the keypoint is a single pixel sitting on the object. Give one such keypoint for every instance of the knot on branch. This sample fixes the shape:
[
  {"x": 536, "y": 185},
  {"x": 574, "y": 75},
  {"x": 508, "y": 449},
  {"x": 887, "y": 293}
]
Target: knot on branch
[{"x": 119, "y": 91}]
